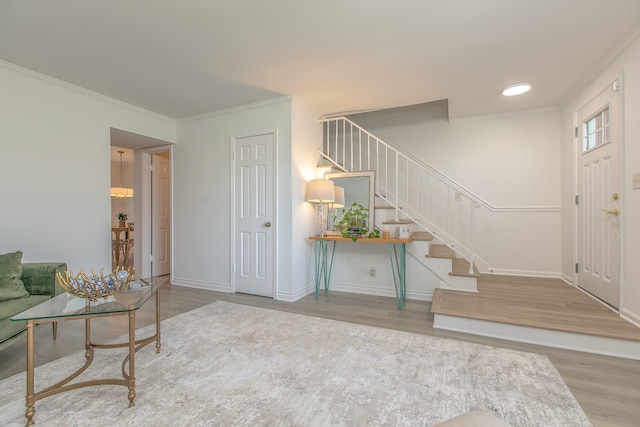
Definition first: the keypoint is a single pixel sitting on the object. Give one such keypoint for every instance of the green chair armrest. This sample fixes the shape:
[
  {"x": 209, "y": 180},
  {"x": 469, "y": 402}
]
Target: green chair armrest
[{"x": 39, "y": 278}]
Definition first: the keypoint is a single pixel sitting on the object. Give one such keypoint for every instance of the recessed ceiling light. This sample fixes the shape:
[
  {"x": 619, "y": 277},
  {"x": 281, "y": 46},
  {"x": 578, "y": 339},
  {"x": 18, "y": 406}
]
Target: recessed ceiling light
[{"x": 517, "y": 89}]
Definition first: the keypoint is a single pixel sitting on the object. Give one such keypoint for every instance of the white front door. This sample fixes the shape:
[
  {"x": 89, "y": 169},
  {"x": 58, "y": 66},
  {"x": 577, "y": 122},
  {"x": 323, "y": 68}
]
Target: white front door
[
  {"x": 161, "y": 214},
  {"x": 254, "y": 230},
  {"x": 599, "y": 196}
]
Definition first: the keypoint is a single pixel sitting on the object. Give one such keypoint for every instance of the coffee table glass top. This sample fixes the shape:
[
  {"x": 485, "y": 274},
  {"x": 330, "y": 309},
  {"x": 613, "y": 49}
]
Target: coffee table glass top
[{"x": 67, "y": 305}]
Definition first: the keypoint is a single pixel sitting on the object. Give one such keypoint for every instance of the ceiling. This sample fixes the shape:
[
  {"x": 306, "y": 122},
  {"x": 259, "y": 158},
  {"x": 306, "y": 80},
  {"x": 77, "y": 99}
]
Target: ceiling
[{"x": 190, "y": 57}]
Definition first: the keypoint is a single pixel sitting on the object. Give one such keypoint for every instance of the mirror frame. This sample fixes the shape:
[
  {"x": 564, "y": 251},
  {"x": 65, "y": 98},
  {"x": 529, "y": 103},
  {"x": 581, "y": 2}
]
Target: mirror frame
[{"x": 371, "y": 223}]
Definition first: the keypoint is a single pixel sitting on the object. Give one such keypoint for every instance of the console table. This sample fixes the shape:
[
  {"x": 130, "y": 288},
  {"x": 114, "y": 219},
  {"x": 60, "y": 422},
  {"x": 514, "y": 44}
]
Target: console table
[{"x": 397, "y": 249}]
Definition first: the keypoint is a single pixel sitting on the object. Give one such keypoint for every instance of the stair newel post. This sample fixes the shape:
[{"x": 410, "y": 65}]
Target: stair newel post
[{"x": 471, "y": 235}]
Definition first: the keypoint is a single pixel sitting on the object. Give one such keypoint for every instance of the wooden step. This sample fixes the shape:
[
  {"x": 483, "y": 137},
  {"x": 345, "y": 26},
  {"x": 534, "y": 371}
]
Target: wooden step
[
  {"x": 398, "y": 222},
  {"x": 535, "y": 303},
  {"x": 423, "y": 236},
  {"x": 460, "y": 267},
  {"x": 441, "y": 251}
]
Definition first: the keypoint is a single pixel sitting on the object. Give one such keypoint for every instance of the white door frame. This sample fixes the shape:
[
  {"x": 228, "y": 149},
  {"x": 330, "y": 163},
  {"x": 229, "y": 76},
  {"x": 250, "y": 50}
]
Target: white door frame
[
  {"x": 232, "y": 209},
  {"x": 615, "y": 78},
  {"x": 144, "y": 229}
]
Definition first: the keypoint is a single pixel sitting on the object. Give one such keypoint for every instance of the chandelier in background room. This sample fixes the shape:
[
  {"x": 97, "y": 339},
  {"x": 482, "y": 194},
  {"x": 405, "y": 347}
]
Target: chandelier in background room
[{"x": 122, "y": 191}]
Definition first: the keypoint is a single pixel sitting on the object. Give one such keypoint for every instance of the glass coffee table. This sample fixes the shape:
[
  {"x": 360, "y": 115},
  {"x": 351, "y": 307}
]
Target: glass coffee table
[{"x": 69, "y": 307}]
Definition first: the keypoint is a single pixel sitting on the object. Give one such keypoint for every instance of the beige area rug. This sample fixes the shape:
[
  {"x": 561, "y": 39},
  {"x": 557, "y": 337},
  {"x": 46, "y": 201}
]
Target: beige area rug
[{"x": 227, "y": 365}]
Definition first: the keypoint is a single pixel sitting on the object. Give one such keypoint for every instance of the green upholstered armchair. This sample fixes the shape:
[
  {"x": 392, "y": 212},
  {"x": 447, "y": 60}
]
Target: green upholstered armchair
[{"x": 39, "y": 279}]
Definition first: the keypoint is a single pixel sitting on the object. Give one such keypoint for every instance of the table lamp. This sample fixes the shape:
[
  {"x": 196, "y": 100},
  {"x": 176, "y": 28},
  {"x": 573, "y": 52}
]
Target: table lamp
[{"x": 321, "y": 192}]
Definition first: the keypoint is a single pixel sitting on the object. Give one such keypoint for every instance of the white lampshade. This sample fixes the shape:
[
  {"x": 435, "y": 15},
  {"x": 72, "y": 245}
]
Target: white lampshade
[
  {"x": 339, "y": 202},
  {"x": 321, "y": 191}
]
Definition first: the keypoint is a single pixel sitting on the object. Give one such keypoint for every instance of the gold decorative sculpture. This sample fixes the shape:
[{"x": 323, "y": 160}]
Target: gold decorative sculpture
[{"x": 97, "y": 285}]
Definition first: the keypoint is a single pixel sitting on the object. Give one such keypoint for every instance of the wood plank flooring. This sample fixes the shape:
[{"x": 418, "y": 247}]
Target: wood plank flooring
[
  {"x": 607, "y": 388},
  {"x": 539, "y": 303}
]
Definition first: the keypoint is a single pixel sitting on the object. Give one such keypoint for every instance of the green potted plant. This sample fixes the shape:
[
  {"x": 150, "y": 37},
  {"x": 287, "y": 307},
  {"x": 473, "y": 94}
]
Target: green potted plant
[
  {"x": 354, "y": 221},
  {"x": 122, "y": 218}
]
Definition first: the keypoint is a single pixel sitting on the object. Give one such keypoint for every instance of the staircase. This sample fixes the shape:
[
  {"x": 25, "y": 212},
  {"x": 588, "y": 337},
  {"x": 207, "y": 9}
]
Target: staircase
[{"x": 439, "y": 212}]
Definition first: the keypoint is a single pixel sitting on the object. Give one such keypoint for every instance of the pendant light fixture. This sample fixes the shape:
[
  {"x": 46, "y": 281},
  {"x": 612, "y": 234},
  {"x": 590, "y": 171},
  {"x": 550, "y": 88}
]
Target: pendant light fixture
[{"x": 122, "y": 191}]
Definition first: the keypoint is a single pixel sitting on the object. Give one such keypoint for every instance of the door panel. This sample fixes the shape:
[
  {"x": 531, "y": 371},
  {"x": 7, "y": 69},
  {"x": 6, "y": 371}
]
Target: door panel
[
  {"x": 598, "y": 183},
  {"x": 161, "y": 215},
  {"x": 253, "y": 194}
]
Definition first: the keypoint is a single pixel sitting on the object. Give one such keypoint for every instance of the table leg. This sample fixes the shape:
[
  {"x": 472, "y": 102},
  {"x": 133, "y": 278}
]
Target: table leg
[
  {"x": 320, "y": 256},
  {"x": 31, "y": 399},
  {"x": 158, "y": 344},
  {"x": 399, "y": 270},
  {"x": 87, "y": 338},
  {"x": 323, "y": 264},
  {"x": 132, "y": 358},
  {"x": 117, "y": 248}
]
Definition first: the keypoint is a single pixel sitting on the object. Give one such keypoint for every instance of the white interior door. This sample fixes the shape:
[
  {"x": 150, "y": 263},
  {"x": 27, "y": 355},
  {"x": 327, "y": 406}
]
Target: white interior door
[
  {"x": 599, "y": 197},
  {"x": 161, "y": 214},
  {"x": 254, "y": 214}
]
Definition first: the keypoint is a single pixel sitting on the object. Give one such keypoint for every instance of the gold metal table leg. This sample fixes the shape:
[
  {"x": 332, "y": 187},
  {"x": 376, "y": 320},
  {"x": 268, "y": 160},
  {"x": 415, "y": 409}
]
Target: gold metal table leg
[
  {"x": 132, "y": 358},
  {"x": 31, "y": 399},
  {"x": 158, "y": 344}
]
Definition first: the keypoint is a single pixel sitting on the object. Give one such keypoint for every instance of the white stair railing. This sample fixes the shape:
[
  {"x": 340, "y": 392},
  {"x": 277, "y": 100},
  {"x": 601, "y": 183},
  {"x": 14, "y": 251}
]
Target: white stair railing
[{"x": 416, "y": 190}]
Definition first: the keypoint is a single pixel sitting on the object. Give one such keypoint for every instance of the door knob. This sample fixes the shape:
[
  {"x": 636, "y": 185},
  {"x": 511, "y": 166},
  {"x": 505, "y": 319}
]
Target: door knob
[
  {"x": 613, "y": 212},
  {"x": 268, "y": 224}
]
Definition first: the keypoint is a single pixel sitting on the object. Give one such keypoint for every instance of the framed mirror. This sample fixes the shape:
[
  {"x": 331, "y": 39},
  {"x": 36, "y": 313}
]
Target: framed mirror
[{"x": 359, "y": 187}]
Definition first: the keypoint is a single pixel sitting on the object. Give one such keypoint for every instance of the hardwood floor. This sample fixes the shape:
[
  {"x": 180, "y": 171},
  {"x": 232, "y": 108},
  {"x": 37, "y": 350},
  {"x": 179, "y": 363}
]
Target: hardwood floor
[
  {"x": 535, "y": 302},
  {"x": 607, "y": 388}
]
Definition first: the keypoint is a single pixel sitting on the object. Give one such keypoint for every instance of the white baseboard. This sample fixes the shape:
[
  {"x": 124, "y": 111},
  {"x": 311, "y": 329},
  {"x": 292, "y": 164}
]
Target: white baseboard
[
  {"x": 295, "y": 296},
  {"x": 525, "y": 273},
  {"x": 219, "y": 287},
  {"x": 371, "y": 290},
  {"x": 630, "y": 316},
  {"x": 567, "y": 279},
  {"x": 558, "y": 339}
]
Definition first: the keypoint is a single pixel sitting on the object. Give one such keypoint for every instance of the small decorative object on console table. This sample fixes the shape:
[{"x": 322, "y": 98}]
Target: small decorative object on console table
[
  {"x": 98, "y": 285},
  {"x": 354, "y": 221},
  {"x": 122, "y": 219}
]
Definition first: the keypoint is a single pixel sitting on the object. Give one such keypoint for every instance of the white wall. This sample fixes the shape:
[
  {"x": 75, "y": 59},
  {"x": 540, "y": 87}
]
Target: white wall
[
  {"x": 510, "y": 160},
  {"x": 55, "y": 167},
  {"x": 626, "y": 65},
  {"x": 202, "y": 194},
  {"x": 306, "y": 141}
]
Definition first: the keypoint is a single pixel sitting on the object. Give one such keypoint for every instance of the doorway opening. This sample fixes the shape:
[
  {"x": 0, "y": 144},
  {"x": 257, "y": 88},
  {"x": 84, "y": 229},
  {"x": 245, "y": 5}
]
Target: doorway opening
[{"x": 150, "y": 203}]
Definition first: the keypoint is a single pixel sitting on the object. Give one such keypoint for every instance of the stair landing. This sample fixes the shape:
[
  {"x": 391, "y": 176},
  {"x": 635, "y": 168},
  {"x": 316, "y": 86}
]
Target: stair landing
[{"x": 537, "y": 310}]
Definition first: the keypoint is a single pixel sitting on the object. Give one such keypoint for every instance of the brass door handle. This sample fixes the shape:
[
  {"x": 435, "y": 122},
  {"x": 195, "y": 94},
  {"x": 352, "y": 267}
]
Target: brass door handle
[
  {"x": 614, "y": 212},
  {"x": 268, "y": 224}
]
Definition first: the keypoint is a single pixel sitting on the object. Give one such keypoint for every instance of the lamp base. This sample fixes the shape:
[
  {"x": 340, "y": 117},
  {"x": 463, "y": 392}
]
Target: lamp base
[{"x": 321, "y": 220}]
